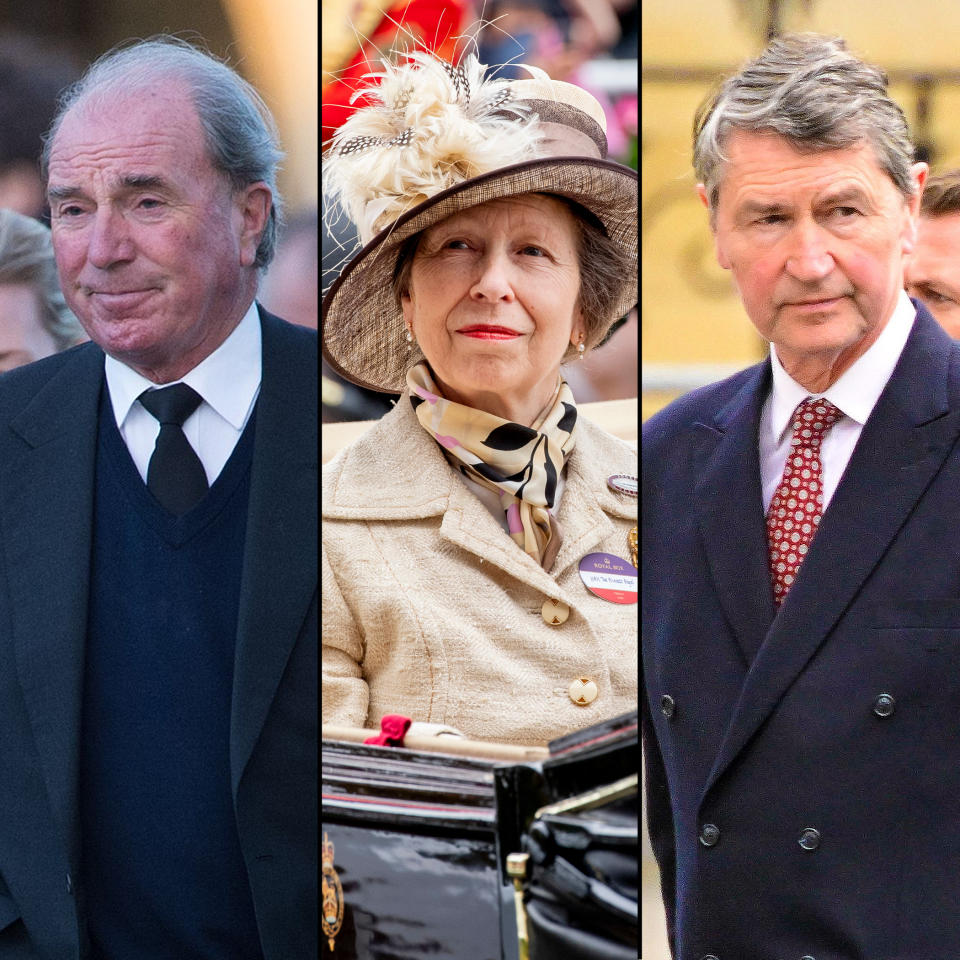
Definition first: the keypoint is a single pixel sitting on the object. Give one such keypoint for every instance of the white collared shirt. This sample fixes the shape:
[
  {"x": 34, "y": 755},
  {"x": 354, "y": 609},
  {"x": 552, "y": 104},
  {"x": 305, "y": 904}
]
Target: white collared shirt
[
  {"x": 855, "y": 394},
  {"x": 229, "y": 382}
]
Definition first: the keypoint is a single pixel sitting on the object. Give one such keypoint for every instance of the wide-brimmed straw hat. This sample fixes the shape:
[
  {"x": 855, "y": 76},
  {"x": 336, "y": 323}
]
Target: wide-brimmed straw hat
[{"x": 438, "y": 139}]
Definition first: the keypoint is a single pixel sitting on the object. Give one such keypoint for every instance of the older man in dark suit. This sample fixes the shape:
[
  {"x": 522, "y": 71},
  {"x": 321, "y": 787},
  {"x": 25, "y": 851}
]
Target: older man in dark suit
[
  {"x": 158, "y": 667},
  {"x": 801, "y": 594}
]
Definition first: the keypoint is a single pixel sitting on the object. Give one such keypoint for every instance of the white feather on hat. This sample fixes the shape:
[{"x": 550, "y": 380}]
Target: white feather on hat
[{"x": 428, "y": 126}]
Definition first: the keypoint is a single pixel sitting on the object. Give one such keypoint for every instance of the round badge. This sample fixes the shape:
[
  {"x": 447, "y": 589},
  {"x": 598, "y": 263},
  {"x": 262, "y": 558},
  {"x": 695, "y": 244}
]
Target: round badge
[
  {"x": 609, "y": 577},
  {"x": 623, "y": 484}
]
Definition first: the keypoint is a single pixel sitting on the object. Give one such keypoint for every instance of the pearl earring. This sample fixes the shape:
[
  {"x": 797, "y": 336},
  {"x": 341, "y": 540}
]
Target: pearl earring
[
  {"x": 580, "y": 349},
  {"x": 409, "y": 338}
]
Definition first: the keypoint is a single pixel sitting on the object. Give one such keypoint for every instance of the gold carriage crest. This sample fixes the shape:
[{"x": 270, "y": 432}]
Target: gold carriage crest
[{"x": 331, "y": 916}]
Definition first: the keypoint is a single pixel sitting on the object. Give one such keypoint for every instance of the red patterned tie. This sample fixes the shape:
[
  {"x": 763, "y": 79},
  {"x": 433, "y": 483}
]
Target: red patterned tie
[{"x": 797, "y": 503}]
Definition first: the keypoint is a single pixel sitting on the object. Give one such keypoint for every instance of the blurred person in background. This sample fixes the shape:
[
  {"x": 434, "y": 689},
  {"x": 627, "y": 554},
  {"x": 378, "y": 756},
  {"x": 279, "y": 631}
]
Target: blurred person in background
[
  {"x": 291, "y": 287},
  {"x": 555, "y": 35},
  {"x": 33, "y": 72},
  {"x": 610, "y": 372},
  {"x": 35, "y": 320},
  {"x": 933, "y": 269}
]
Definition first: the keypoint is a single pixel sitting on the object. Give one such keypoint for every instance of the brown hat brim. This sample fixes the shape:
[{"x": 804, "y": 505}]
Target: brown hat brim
[{"x": 364, "y": 337}]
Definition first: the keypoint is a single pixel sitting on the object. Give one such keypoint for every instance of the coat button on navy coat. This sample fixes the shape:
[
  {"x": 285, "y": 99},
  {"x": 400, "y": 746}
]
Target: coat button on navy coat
[
  {"x": 667, "y": 706},
  {"x": 884, "y": 705},
  {"x": 809, "y": 838},
  {"x": 709, "y": 834},
  {"x": 709, "y": 956}
]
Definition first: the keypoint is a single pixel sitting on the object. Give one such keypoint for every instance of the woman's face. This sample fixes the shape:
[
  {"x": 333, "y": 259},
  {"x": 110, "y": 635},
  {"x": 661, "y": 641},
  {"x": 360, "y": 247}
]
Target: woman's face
[
  {"x": 493, "y": 302},
  {"x": 23, "y": 336}
]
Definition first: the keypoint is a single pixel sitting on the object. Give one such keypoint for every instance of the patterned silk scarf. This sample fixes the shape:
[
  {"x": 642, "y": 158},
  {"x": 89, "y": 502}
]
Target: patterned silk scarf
[{"x": 520, "y": 463}]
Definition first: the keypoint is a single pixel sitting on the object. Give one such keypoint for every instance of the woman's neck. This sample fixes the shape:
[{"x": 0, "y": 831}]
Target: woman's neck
[{"x": 528, "y": 410}]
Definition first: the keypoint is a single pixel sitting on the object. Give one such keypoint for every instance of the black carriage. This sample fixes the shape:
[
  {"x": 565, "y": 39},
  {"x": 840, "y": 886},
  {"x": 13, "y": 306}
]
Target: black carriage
[{"x": 464, "y": 850}]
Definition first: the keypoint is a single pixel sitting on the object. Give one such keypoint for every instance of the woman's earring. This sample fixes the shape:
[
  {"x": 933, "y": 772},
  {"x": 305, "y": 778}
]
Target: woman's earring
[
  {"x": 580, "y": 349},
  {"x": 409, "y": 338}
]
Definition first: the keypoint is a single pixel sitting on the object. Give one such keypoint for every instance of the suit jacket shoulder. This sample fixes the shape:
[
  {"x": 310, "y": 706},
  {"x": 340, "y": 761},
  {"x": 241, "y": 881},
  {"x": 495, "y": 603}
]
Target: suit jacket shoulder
[{"x": 705, "y": 404}]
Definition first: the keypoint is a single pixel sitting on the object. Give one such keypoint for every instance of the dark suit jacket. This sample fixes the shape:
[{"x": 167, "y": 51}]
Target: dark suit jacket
[
  {"x": 48, "y": 430},
  {"x": 774, "y": 724}
]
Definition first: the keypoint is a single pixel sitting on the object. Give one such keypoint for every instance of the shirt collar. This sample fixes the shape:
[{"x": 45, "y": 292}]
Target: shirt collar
[
  {"x": 859, "y": 387},
  {"x": 227, "y": 380}
]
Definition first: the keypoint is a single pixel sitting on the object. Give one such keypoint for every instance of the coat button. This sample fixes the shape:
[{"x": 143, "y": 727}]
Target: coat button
[
  {"x": 884, "y": 705},
  {"x": 667, "y": 705},
  {"x": 709, "y": 956},
  {"x": 554, "y": 612},
  {"x": 809, "y": 838},
  {"x": 583, "y": 691},
  {"x": 709, "y": 834}
]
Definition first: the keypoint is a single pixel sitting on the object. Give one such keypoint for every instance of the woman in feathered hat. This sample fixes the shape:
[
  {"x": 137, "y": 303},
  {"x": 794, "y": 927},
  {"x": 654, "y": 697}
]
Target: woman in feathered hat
[{"x": 499, "y": 243}]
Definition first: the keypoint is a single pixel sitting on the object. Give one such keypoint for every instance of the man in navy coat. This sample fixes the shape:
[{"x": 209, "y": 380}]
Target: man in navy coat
[
  {"x": 158, "y": 602},
  {"x": 801, "y": 582}
]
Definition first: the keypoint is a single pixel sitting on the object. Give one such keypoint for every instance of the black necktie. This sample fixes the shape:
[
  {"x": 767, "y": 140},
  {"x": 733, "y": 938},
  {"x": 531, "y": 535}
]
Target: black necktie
[{"x": 175, "y": 475}]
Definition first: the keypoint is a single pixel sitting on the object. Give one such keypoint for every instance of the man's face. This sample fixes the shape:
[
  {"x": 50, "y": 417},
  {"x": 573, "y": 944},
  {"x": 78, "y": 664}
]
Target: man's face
[
  {"x": 815, "y": 244},
  {"x": 933, "y": 271},
  {"x": 154, "y": 249}
]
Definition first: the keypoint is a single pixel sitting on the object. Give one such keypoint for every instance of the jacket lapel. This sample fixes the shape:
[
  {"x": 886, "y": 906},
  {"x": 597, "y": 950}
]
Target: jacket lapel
[
  {"x": 905, "y": 442},
  {"x": 468, "y": 524},
  {"x": 588, "y": 503},
  {"x": 729, "y": 508},
  {"x": 47, "y": 503},
  {"x": 279, "y": 578}
]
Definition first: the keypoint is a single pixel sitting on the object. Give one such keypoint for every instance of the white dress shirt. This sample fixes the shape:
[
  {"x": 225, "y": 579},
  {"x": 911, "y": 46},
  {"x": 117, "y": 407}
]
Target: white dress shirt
[
  {"x": 229, "y": 382},
  {"x": 855, "y": 394}
]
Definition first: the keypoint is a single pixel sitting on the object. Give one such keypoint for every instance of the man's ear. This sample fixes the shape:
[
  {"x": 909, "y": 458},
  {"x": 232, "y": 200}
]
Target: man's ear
[
  {"x": 918, "y": 174},
  {"x": 253, "y": 208},
  {"x": 705, "y": 200}
]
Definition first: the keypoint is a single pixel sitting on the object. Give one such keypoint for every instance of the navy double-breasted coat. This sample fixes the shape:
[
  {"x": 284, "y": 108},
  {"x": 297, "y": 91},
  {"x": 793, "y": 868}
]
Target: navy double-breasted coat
[{"x": 804, "y": 768}]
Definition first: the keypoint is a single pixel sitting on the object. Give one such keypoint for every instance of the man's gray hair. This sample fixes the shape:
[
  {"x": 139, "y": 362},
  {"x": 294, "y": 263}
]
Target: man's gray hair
[
  {"x": 810, "y": 90},
  {"x": 241, "y": 134},
  {"x": 26, "y": 256}
]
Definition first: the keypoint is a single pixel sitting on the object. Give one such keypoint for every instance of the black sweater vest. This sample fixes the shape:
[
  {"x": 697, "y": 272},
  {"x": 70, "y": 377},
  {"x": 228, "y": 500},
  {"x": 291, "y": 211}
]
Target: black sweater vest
[{"x": 163, "y": 873}]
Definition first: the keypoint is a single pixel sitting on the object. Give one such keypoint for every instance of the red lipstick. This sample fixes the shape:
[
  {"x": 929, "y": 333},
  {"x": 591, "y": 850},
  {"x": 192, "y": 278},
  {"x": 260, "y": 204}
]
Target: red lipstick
[{"x": 489, "y": 331}]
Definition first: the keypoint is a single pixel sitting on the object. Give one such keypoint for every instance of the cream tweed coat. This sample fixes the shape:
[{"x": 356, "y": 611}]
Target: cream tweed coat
[{"x": 430, "y": 610}]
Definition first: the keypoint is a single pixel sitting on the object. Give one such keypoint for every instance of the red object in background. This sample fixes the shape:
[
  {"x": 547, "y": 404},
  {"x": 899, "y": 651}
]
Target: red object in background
[
  {"x": 433, "y": 25},
  {"x": 393, "y": 728}
]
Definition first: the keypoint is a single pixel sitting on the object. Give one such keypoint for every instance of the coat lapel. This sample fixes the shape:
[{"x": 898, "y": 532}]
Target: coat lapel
[
  {"x": 46, "y": 504},
  {"x": 902, "y": 447},
  {"x": 729, "y": 508},
  {"x": 588, "y": 503},
  {"x": 279, "y": 579}
]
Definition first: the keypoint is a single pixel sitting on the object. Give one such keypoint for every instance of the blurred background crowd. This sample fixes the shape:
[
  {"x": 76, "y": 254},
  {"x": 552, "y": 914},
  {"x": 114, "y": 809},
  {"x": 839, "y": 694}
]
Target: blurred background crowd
[
  {"x": 46, "y": 44},
  {"x": 592, "y": 43}
]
